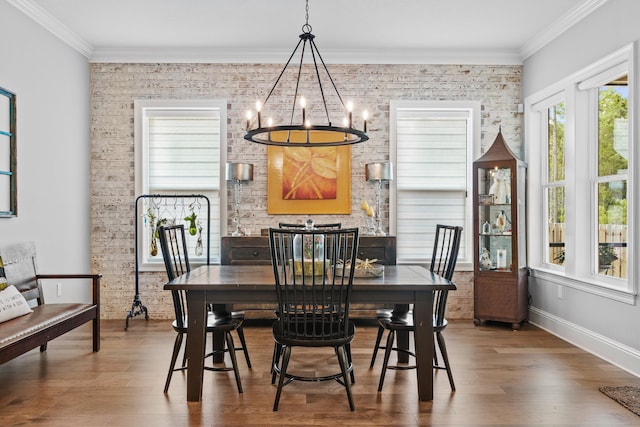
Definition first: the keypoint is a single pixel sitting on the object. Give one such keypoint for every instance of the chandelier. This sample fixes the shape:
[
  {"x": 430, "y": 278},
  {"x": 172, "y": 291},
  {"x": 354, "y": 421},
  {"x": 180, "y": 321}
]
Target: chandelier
[{"x": 301, "y": 131}]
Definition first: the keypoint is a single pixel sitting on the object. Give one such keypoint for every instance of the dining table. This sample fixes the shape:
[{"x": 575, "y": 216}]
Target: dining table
[{"x": 223, "y": 285}]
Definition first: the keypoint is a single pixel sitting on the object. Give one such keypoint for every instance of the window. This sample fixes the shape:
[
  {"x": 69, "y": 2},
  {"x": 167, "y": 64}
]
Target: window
[
  {"x": 554, "y": 187},
  {"x": 611, "y": 178},
  {"x": 432, "y": 149},
  {"x": 579, "y": 140},
  {"x": 8, "y": 198},
  {"x": 180, "y": 146}
]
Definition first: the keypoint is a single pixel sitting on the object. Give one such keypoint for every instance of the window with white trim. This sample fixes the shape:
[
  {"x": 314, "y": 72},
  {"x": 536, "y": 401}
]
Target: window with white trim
[
  {"x": 609, "y": 141},
  {"x": 432, "y": 148},
  {"x": 553, "y": 180},
  {"x": 180, "y": 146},
  {"x": 579, "y": 144}
]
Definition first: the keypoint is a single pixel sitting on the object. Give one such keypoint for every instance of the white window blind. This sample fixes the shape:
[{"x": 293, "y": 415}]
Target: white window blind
[
  {"x": 184, "y": 150},
  {"x": 432, "y": 155}
]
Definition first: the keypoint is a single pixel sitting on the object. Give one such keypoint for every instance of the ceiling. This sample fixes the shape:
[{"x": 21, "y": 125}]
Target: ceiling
[{"x": 349, "y": 31}]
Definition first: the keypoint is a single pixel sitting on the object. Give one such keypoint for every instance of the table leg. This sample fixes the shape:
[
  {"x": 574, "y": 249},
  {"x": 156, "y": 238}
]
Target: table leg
[
  {"x": 402, "y": 337},
  {"x": 423, "y": 309},
  {"x": 195, "y": 347}
]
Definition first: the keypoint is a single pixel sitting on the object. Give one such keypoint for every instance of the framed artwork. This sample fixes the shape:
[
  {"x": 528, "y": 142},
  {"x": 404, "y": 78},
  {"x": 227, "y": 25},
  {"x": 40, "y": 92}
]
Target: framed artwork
[{"x": 309, "y": 180}]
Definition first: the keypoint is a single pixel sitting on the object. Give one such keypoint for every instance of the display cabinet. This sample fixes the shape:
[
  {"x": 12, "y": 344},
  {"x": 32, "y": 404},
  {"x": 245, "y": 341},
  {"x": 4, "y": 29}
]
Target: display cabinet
[{"x": 500, "y": 263}]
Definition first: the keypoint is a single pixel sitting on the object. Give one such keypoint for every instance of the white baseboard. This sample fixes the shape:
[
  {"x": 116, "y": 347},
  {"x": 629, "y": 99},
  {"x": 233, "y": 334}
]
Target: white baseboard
[{"x": 618, "y": 354}]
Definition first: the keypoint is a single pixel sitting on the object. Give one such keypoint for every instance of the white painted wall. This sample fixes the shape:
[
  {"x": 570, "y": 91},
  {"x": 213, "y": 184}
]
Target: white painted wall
[
  {"x": 51, "y": 81},
  {"x": 599, "y": 324}
]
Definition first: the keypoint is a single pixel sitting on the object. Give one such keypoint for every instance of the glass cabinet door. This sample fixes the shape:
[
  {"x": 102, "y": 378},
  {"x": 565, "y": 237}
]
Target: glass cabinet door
[{"x": 494, "y": 217}]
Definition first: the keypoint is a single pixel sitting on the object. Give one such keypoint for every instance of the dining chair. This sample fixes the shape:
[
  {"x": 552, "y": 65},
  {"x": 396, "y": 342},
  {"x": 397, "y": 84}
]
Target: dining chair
[
  {"x": 443, "y": 263},
  {"x": 176, "y": 260},
  {"x": 313, "y": 286},
  {"x": 308, "y": 224}
]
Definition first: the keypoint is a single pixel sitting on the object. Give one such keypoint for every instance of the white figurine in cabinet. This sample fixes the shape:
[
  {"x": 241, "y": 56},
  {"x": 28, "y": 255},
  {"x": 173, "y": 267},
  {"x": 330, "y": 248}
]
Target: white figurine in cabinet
[
  {"x": 501, "y": 222},
  {"x": 501, "y": 186},
  {"x": 485, "y": 259}
]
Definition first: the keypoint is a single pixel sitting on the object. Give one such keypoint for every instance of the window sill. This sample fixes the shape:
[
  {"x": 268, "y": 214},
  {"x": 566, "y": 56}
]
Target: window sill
[{"x": 595, "y": 288}]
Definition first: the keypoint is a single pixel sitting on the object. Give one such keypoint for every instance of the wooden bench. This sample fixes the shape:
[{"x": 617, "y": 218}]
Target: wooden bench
[{"x": 47, "y": 321}]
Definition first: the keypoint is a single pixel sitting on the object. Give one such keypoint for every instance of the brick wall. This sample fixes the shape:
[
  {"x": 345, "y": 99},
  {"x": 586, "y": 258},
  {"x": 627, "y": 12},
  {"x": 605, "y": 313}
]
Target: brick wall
[{"x": 115, "y": 86}]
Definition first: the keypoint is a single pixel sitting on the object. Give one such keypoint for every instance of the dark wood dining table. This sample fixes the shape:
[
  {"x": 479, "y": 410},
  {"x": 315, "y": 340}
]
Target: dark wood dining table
[{"x": 232, "y": 284}]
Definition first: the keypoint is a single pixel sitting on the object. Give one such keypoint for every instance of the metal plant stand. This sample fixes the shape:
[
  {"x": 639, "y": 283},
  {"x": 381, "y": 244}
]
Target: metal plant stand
[{"x": 172, "y": 203}]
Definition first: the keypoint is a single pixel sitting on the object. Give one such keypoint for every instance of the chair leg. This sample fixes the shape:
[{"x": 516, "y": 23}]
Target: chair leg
[
  {"x": 174, "y": 357},
  {"x": 283, "y": 371},
  {"x": 387, "y": 353},
  {"x": 445, "y": 358},
  {"x": 277, "y": 352},
  {"x": 234, "y": 361},
  {"x": 377, "y": 346},
  {"x": 342, "y": 359},
  {"x": 244, "y": 346},
  {"x": 350, "y": 360}
]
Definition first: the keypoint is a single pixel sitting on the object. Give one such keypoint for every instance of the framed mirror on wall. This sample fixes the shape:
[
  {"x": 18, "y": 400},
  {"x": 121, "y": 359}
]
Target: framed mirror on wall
[{"x": 8, "y": 196}]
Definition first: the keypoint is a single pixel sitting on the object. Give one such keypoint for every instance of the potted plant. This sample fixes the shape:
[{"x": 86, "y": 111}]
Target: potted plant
[{"x": 606, "y": 256}]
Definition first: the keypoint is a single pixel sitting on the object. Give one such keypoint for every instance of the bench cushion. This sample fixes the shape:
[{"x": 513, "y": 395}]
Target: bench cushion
[
  {"x": 12, "y": 304},
  {"x": 43, "y": 317}
]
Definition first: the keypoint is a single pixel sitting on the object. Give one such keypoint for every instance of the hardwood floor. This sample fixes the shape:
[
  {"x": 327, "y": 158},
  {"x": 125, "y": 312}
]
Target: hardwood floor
[{"x": 524, "y": 378}]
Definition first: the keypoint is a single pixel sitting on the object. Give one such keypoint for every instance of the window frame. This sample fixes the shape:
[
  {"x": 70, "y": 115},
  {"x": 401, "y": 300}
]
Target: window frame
[
  {"x": 546, "y": 184},
  {"x": 11, "y": 172},
  {"x": 472, "y": 109},
  {"x": 581, "y": 204},
  {"x": 141, "y": 148}
]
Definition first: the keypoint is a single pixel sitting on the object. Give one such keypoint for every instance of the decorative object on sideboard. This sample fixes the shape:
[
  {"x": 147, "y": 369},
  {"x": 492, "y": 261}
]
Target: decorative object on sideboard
[
  {"x": 238, "y": 173},
  {"x": 369, "y": 222},
  {"x": 379, "y": 172},
  {"x": 301, "y": 130}
]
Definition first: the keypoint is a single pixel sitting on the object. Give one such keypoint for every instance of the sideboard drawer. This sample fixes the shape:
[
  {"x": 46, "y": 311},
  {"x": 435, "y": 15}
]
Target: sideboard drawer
[
  {"x": 255, "y": 250},
  {"x": 381, "y": 248},
  {"x": 245, "y": 250}
]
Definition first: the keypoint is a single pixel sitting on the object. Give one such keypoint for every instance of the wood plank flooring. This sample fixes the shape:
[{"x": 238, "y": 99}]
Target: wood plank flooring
[{"x": 523, "y": 378}]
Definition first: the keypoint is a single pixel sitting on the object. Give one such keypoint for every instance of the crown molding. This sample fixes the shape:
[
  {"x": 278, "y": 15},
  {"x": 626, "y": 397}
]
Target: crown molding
[
  {"x": 378, "y": 56},
  {"x": 276, "y": 56},
  {"x": 559, "y": 26},
  {"x": 53, "y": 25}
]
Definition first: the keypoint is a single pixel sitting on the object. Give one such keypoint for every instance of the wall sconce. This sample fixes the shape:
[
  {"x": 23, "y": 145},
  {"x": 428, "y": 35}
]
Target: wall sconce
[
  {"x": 238, "y": 173},
  {"x": 379, "y": 172}
]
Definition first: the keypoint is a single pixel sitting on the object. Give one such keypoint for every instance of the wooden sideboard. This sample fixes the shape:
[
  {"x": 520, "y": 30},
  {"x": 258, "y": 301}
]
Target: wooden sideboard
[{"x": 255, "y": 250}]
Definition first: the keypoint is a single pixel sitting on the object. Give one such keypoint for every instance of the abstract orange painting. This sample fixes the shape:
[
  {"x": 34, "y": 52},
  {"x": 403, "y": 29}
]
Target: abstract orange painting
[
  {"x": 309, "y": 173},
  {"x": 309, "y": 180}
]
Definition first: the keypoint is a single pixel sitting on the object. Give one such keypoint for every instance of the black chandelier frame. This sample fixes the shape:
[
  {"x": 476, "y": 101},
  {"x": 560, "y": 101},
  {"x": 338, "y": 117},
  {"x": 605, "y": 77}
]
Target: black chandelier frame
[{"x": 306, "y": 134}]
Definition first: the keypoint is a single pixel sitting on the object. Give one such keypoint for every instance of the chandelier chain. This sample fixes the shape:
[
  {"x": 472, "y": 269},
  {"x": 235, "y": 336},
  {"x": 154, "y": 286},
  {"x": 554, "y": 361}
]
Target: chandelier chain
[{"x": 307, "y": 13}]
